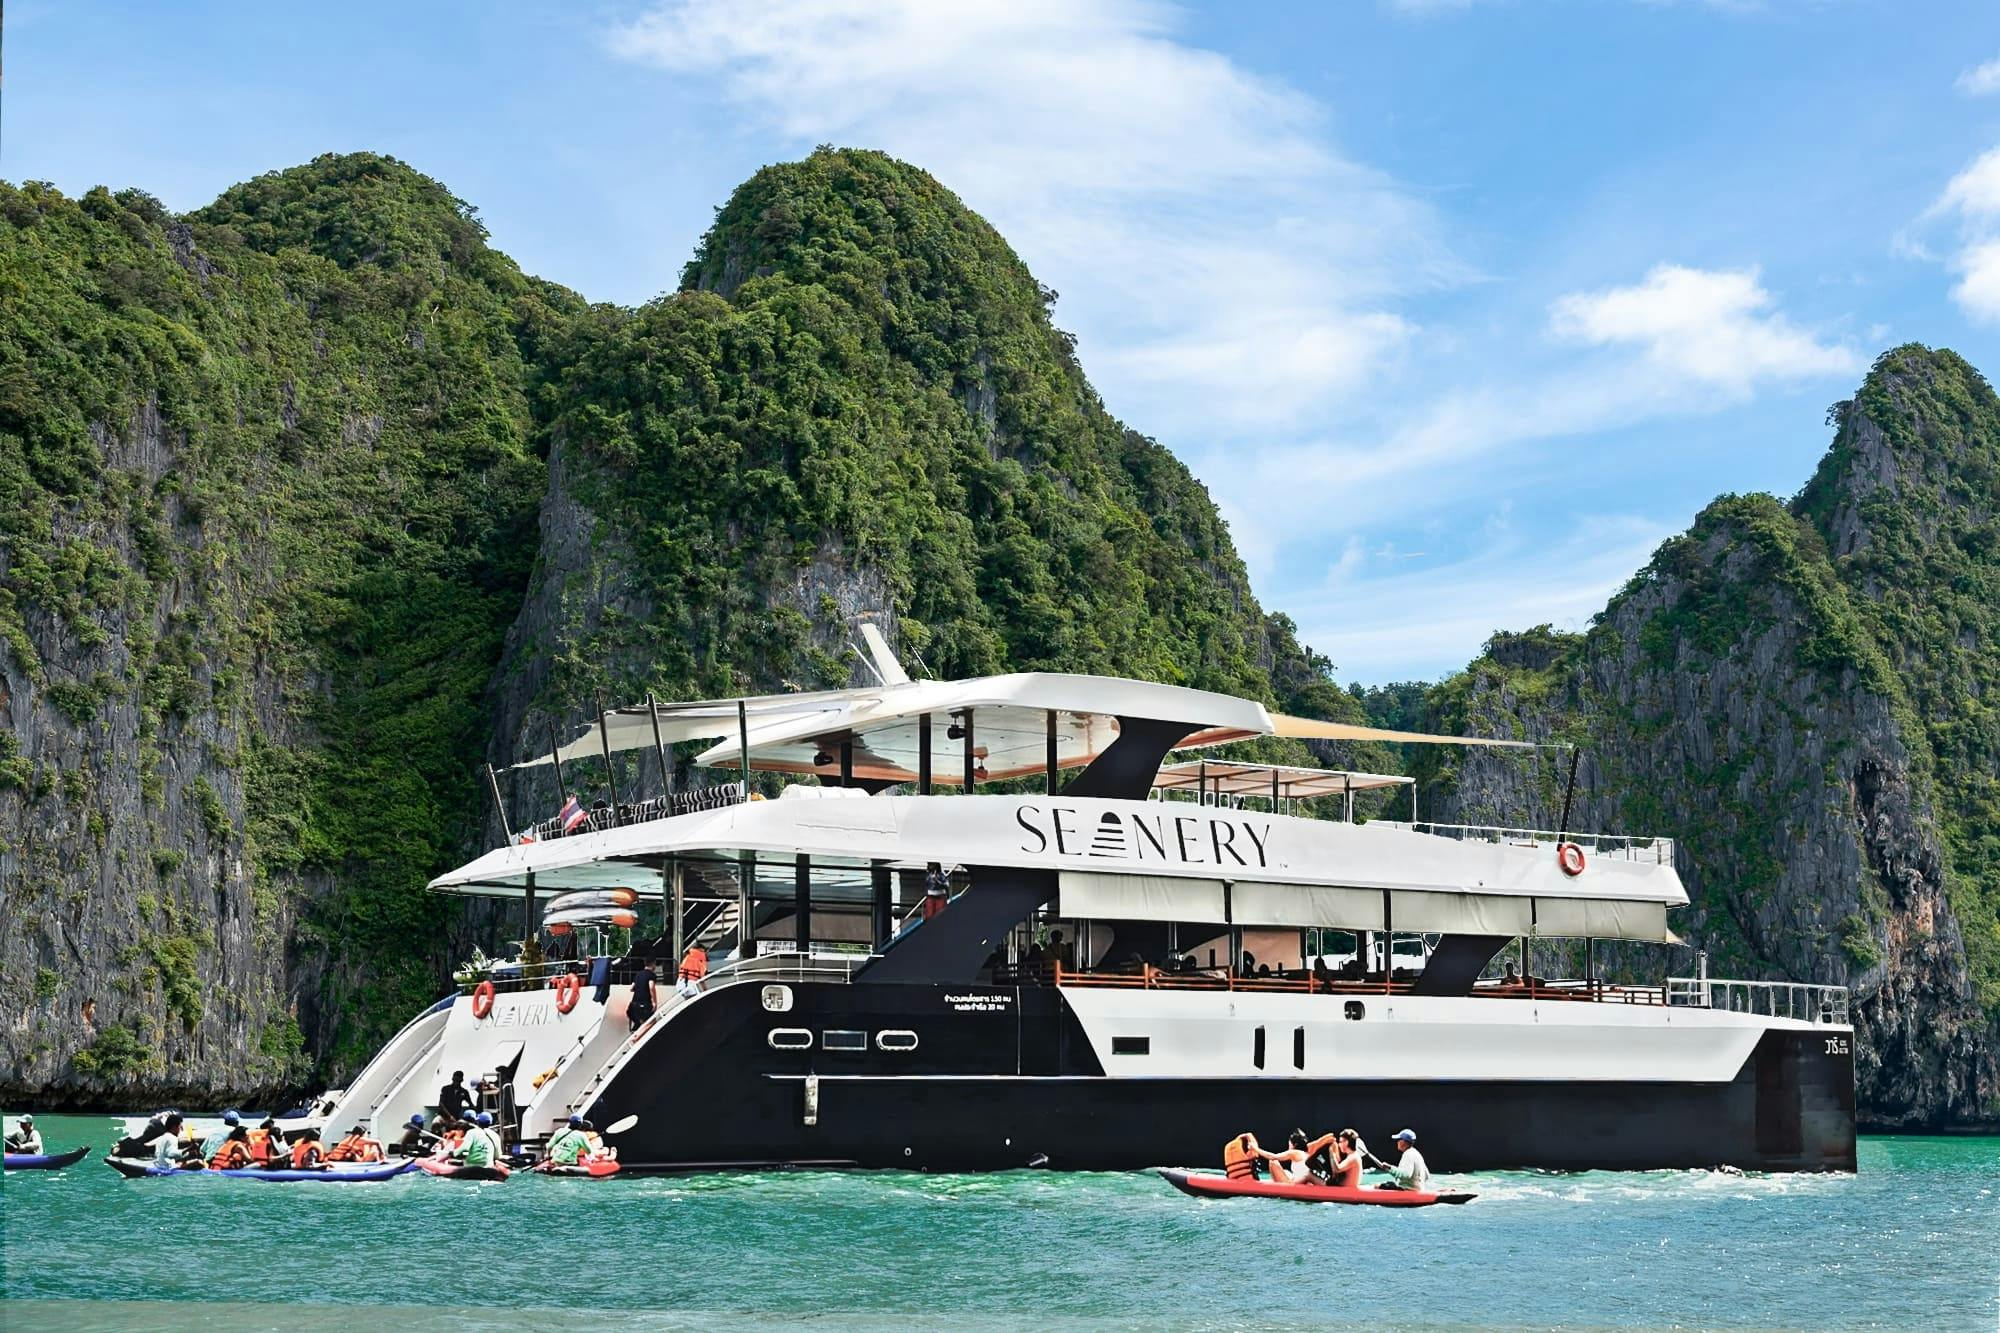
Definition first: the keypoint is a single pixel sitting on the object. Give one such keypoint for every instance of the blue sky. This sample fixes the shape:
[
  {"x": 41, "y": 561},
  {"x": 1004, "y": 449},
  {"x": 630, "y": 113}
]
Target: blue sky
[{"x": 1459, "y": 307}]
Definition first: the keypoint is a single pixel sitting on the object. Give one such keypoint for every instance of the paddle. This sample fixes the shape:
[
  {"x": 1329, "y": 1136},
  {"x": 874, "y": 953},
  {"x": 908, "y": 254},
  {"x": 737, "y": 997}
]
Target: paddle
[{"x": 620, "y": 1126}]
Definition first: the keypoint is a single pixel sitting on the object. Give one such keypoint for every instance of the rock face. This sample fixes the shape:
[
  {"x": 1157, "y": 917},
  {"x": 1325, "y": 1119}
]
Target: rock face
[
  {"x": 1805, "y": 695},
  {"x": 312, "y": 500}
]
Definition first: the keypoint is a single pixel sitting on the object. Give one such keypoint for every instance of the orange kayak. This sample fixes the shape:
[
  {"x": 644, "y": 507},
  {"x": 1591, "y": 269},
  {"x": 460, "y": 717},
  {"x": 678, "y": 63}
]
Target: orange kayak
[{"x": 1205, "y": 1186}]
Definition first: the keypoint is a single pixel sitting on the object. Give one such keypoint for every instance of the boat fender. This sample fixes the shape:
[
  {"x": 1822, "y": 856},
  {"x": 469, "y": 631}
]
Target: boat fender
[
  {"x": 1570, "y": 857},
  {"x": 482, "y": 999},
  {"x": 568, "y": 987}
]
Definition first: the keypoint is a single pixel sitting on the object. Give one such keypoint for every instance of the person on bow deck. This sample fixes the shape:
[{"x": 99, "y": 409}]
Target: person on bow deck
[
  {"x": 644, "y": 999},
  {"x": 233, "y": 1153},
  {"x": 25, "y": 1138},
  {"x": 306, "y": 1152},
  {"x": 569, "y": 1144},
  {"x": 1241, "y": 1157},
  {"x": 479, "y": 1147},
  {"x": 454, "y": 1098},
  {"x": 356, "y": 1147},
  {"x": 937, "y": 891},
  {"x": 1410, "y": 1171},
  {"x": 210, "y": 1146},
  {"x": 693, "y": 971}
]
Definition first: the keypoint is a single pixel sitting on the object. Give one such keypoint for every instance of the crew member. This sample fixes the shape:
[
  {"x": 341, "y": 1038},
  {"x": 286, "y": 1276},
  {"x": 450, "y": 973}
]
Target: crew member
[
  {"x": 644, "y": 999},
  {"x": 455, "y": 1099},
  {"x": 1241, "y": 1157},
  {"x": 356, "y": 1147},
  {"x": 479, "y": 1147},
  {"x": 167, "y": 1143},
  {"x": 569, "y": 1143},
  {"x": 213, "y": 1143},
  {"x": 412, "y": 1142},
  {"x": 25, "y": 1138},
  {"x": 694, "y": 969},
  {"x": 233, "y": 1153},
  {"x": 306, "y": 1153},
  {"x": 1410, "y": 1171}
]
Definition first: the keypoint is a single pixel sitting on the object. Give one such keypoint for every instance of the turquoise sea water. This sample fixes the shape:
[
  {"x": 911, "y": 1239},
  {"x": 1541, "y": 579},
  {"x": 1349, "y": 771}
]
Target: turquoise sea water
[{"x": 1912, "y": 1241}]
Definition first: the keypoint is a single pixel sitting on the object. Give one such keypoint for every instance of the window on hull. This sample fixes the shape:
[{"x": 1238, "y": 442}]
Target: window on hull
[
  {"x": 1131, "y": 1045},
  {"x": 790, "y": 1039},
  {"x": 840, "y": 1039}
]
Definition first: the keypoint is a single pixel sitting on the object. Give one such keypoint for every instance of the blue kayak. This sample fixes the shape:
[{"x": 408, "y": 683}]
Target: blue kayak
[
  {"x": 338, "y": 1173},
  {"x": 37, "y": 1161}
]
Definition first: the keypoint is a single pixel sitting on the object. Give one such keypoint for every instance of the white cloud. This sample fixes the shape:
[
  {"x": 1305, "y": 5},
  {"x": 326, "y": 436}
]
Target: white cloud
[
  {"x": 1974, "y": 192},
  {"x": 1972, "y": 198},
  {"x": 1981, "y": 80},
  {"x": 1978, "y": 290},
  {"x": 1217, "y": 253},
  {"x": 1712, "y": 326}
]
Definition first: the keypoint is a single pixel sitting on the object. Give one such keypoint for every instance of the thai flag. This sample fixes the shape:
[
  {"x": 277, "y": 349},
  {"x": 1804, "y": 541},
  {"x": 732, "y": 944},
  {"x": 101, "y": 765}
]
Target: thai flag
[{"x": 572, "y": 814}]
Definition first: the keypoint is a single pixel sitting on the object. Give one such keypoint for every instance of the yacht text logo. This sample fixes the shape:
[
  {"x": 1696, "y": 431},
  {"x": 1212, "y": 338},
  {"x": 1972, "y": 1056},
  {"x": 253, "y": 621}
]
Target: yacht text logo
[{"x": 1144, "y": 836}]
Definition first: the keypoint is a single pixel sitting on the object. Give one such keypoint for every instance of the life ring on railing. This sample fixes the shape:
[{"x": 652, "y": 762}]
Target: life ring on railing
[
  {"x": 482, "y": 999},
  {"x": 568, "y": 987},
  {"x": 1570, "y": 857}
]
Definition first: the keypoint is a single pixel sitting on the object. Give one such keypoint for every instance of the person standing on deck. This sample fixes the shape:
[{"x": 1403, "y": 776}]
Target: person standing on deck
[
  {"x": 25, "y": 1138},
  {"x": 937, "y": 891},
  {"x": 1410, "y": 1171},
  {"x": 455, "y": 1099},
  {"x": 694, "y": 970},
  {"x": 644, "y": 1000}
]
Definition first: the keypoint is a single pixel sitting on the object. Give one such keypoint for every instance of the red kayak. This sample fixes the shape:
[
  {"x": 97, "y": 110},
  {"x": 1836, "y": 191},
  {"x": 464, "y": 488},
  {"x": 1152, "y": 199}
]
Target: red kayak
[
  {"x": 444, "y": 1166},
  {"x": 601, "y": 1166},
  {"x": 1205, "y": 1186}
]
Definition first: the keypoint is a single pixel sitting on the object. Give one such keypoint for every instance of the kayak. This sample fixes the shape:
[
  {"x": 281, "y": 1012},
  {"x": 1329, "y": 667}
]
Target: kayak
[
  {"x": 599, "y": 1168},
  {"x": 136, "y": 1169},
  {"x": 580, "y": 899},
  {"x": 571, "y": 917},
  {"x": 53, "y": 1161},
  {"x": 1205, "y": 1186},
  {"x": 460, "y": 1171}
]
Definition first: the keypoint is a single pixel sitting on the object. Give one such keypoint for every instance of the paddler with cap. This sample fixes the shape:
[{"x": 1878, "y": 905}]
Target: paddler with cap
[
  {"x": 1410, "y": 1171},
  {"x": 568, "y": 1145}
]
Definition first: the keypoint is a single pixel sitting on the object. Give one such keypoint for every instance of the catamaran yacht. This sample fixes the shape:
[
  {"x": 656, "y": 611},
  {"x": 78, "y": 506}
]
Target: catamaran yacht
[{"x": 1022, "y": 920}]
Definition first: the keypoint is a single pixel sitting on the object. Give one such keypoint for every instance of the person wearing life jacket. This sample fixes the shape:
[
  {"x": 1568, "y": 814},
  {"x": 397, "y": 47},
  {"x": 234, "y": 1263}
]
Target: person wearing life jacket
[
  {"x": 694, "y": 969},
  {"x": 1241, "y": 1157},
  {"x": 356, "y": 1147},
  {"x": 267, "y": 1143},
  {"x": 480, "y": 1147},
  {"x": 306, "y": 1152},
  {"x": 569, "y": 1144},
  {"x": 233, "y": 1153}
]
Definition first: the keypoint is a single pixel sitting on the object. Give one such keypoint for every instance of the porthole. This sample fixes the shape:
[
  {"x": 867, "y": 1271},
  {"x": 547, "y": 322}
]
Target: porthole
[
  {"x": 790, "y": 1039},
  {"x": 1356, "y": 1010},
  {"x": 842, "y": 1039},
  {"x": 896, "y": 1039}
]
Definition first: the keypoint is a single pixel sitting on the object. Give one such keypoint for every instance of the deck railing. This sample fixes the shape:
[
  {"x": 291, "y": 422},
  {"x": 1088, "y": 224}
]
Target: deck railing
[
  {"x": 1798, "y": 1000},
  {"x": 1611, "y": 846}
]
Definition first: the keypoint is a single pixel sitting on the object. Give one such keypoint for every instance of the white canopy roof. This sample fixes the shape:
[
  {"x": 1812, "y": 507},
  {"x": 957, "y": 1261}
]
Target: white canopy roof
[{"x": 790, "y": 733}]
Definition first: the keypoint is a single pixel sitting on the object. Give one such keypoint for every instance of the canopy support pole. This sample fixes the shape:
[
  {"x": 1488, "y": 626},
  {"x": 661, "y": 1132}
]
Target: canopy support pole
[
  {"x": 971, "y": 760},
  {"x": 555, "y": 753},
  {"x": 743, "y": 746},
  {"x": 499, "y": 806},
  {"x": 1388, "y": 943},
  {"x": 679, "y": 908},
  {"x": 1569, "y": 795},
  {"x": 610, "y": 773},
  {"x": 1052, "y": 752},
  {"x": 924, "y": 755},
  {"x": 528, "y": 911},
  {"x": 878, "y": 883},
  {"x": 1274, "y": 790},
  {"x": 660, "y": 748},
  {"x": 746, "y": 932},
  {"x": 802, "y": 903},
  {"x": 847, "y": 762}
]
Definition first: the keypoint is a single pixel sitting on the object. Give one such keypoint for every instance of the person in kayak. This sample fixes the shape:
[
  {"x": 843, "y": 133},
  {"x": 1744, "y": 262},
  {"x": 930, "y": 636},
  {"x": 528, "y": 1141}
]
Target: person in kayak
[
  {"x": 455, "y": 1099},
  {"x": 306, "y": 1152},
  {"x": 267, "y": 1142},
  {"x": 25, "y": 1138},
  {"x": 1344, "y": 1170},
  {"x": 167, "y": 1143},
  {"x": 1410, "y": 1171},
  {"x": 1292, "y": 1166},
  {"x": 479, "y": 1148},
  {"x": 138, "y": 1145},
  {"x": 414, "y": 1134},
  {"x": 233, "y": 1153},
  {"x": 569, "y": 1144},
  {"x": 212, "y": 1145},
  {"x": 356, "y": 1147}
]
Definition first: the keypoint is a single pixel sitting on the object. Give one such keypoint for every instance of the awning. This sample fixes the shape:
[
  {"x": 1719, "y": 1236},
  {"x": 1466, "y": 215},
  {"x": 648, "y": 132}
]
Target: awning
[
  {"x": 1254, "y": 904},
  {"x": 1235, "y": 777},
  {"x": 1307, "y": 728},
  {"x": 1460, "y": 913},
  {"x": 1601, "y": 918},
  {"x": 1141, "y": 897}
]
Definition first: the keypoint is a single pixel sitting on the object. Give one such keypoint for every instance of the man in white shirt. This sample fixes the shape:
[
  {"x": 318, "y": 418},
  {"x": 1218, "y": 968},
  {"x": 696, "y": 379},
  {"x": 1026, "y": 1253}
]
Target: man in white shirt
[
  {"x": 25, "y": 1138},
  {"x": 1410, "y": 1171}
]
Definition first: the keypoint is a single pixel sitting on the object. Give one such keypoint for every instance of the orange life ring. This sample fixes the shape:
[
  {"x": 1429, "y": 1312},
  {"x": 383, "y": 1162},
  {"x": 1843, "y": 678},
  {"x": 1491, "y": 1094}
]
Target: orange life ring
[
  {"x": 482, "y": 999},
  {"x": 568, "y": 987},
  {"x": 1570, "y": 857}
]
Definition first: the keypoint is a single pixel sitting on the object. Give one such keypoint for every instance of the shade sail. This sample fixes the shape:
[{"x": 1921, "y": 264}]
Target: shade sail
[
  {"x": 1461, "y": 913},
  {"x": 1307, "y": 728},
  {"x": 1603, "y": 919},
  {"x": 1141, "y": 897},
  {"x": 1255, "y": 904},
  {"x": 1233, "y": 777}
]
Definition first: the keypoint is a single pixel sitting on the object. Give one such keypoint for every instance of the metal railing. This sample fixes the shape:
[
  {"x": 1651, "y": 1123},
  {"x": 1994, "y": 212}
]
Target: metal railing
[
  {"x": 1801, "y": 1001},
  {"x": 599, "y": 818},
  {"x": 1612, "y": 846}
]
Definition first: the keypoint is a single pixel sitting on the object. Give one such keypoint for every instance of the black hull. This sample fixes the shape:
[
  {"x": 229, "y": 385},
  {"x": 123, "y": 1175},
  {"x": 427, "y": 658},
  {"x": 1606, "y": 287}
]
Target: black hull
[{"x": 1018, "y": 1085}]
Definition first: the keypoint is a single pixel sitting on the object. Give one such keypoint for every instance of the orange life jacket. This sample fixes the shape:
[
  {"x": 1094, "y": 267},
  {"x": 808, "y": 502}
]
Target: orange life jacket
[
  {"x": 232, "y": 1155},
  {"x": 348, "y": 1149},
  {"x": 694, "y": 964},
  {"x": 1239, "y": 1160},
  {"x": 305, "y": 1153}
]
